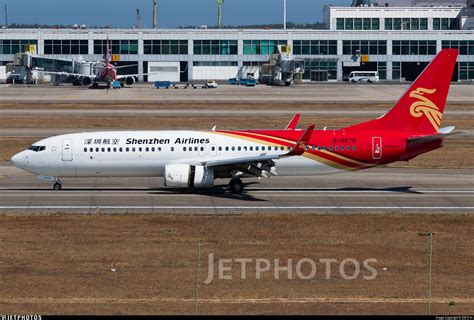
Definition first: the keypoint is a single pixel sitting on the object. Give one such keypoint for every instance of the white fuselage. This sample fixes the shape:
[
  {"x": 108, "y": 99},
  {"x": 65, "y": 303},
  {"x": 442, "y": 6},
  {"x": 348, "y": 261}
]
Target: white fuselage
[{"x": 146, "y": 153}]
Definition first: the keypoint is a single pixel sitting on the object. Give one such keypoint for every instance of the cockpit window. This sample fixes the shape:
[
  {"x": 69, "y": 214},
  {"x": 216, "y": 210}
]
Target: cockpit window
[{"x": 37, "y": 148}]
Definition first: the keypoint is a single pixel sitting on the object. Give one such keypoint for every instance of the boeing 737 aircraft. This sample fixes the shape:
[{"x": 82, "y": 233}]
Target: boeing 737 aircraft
[{"x": 195, "y": 159}]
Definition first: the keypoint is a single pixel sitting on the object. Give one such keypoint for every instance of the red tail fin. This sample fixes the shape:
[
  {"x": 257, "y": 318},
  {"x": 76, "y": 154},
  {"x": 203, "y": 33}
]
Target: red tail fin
[{"x": 421, "y": 107}]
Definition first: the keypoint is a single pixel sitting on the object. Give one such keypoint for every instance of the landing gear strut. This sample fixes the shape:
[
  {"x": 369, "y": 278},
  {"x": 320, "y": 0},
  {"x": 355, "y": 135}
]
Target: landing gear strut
[
  {"x": 58, "y": 186},
  {"x": 236, "y": 186}
]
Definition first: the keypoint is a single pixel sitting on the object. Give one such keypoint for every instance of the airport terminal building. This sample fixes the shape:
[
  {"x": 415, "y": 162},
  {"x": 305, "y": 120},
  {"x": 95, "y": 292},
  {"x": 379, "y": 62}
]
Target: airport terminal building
[{"x": 396, "y": 41}]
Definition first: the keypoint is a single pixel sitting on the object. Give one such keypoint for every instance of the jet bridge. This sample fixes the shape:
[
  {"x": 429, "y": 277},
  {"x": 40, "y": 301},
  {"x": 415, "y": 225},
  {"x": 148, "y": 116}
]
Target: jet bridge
[{"x": 283, "y": 68}]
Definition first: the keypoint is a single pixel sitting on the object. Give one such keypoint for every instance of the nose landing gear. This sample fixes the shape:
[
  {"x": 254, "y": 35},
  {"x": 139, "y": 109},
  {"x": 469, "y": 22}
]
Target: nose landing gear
[{"x": 57, "y": 186}]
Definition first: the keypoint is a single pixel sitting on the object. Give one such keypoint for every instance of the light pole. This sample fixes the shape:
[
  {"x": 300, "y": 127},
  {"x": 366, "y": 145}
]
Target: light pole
[
  {"x": 198, "y": 276},
  {"x": 429, "y": 234},
  {"x": 284, "y": 14}
]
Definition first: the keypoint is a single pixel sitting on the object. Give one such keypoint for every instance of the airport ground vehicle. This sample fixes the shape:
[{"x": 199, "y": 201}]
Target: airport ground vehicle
[
  {"x": 211, "y": 84},
  {"x": 195, "y": 159},
  {"x": 248, "y": 82},
  {"x": 364, "y": 76},
  {"x": 163, "y": 84}
]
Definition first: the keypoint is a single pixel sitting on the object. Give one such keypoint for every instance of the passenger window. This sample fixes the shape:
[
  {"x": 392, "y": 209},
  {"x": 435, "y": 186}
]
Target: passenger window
[
  {"x": 91, "y": 149},
  {"x": 324, "y": 148},
  {"x": 195, "y": 148},
  {"x": 140, "y": 149},
  {"x": 354, "y": 148},
  {"x": 133, "y": 149},
  {"x": 342, "y": 148},
  {"x": 276, "y": 148},
  {"x": 85, "y": 149},
  {"x": 213, "y": 148},
  {"x": 159, "y": 149},
  {"x": 336, "y": 148},
  {"x": 172, "y": 149},
  {"x": 147, "y": 149},
  {"x": 115, "y": 149},
  {"x": 152, "y": 149},
  {"x": 184, "y": 148},
  {"x": 256, "y": 149},
  {"x": 109, "y": 149},
  {"x": 269, "y": 148},
  {"x": 251, "y": 148},
  {"x": 220, "y": 148},
  {"x": 239, "y": 148},
  {"x": 282, "y": 148},
  {"x": 97, "y": 149},
  {"x": 202, "y": 148},
  {"x": 330, "y": 148},
  {"x": 233, "y": 148},
  {"x": 245, "y": 148},
  {"x": 226, "y": 148}
]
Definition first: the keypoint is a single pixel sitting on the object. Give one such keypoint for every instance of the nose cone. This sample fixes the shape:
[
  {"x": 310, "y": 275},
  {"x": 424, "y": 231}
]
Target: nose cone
[{"x": 19, "y": 160}]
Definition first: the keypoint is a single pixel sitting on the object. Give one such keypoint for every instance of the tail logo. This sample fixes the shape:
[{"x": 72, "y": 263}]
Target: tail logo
[{"x": 425, "y": 106}]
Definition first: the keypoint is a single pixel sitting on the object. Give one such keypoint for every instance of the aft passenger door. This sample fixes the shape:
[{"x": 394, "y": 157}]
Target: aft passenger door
[
  {"x": 67, "y": 150},
  {"x": 376, "y": 148}
]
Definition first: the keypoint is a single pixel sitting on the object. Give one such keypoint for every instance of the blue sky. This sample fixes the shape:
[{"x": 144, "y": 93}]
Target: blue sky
[{"x": 171, "y": 13}]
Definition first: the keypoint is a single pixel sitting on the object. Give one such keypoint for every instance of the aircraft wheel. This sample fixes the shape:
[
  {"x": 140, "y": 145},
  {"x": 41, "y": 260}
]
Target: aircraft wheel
[
  {"x": 57, "y": 186},
  {"x": 236, "y": 186}
]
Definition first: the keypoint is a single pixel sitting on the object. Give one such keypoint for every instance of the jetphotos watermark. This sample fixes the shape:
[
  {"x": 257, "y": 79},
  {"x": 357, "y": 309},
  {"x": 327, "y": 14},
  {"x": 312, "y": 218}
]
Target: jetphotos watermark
[{"x": 303, "y": 269}]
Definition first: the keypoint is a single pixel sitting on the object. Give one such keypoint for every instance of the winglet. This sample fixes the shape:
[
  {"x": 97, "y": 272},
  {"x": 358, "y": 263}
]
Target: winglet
[
  {"x": 300, "y": 146},
  {"x": 293, "y": 123}
]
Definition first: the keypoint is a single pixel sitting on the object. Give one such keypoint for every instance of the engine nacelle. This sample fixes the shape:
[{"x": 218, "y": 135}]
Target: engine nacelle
[
  {"x": 129, "y": 81},
  {"x": 188, "y": 176}
]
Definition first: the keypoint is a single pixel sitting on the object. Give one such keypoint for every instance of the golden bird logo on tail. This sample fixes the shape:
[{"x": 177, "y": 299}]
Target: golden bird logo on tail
[{"x": 425, "y": 106}]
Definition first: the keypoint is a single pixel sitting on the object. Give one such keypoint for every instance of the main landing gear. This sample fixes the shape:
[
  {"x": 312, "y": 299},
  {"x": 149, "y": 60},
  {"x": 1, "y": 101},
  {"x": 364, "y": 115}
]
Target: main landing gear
[
  {"x": 57, "y": 186},
  {"x": 236, "y": 186}
]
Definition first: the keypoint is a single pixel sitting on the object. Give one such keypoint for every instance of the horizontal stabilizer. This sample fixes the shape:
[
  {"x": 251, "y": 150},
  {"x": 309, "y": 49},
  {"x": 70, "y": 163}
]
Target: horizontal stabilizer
[{"x": 442, "y": 134}]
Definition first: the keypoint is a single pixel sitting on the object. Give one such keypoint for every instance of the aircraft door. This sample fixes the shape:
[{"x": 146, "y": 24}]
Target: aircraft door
[
  {"x": 67, "y": 150},
  {"x": 376, "y": 148}
]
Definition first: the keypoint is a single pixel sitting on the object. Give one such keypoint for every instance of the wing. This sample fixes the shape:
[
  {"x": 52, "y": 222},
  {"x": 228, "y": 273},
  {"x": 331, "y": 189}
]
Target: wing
[
  {"x": 66, "y": 73},
  {"x": 262, "y": 165},
  {"x": 124, "y": 76}
]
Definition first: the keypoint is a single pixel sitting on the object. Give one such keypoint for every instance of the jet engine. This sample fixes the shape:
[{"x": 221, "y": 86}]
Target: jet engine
[
  {"x": 188, "y": 176},
  {"x": 129, "y": 81}
]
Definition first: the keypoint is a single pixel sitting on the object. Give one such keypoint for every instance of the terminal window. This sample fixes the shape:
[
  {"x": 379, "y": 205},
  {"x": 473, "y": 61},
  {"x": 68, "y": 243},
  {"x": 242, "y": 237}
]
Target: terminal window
[
  {"x": 215, "y": 47},
  {"x": 445, "y": 24},
  {"x": 314, "y": 47},
  {"x": 262, "y": 47},
  {"x": 117, "y": 46},
  {"x": 464, "y": 47},
  {"x": 409, "y": 47},
  {"x": 406, "y": 23},
  {"x": 15, "y": 46},
  {"x": 357, "y": 23},
  {"x": 350, "y": 47},
  {"x": 66, "y": 46},
  {"x": 164, "y": 47}
]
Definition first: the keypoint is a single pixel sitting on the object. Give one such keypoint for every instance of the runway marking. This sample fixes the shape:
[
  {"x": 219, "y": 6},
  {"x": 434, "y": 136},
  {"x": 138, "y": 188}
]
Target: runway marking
[
  {"x": 236, "y": 207},
  {"x": 67, "y": 192}
]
